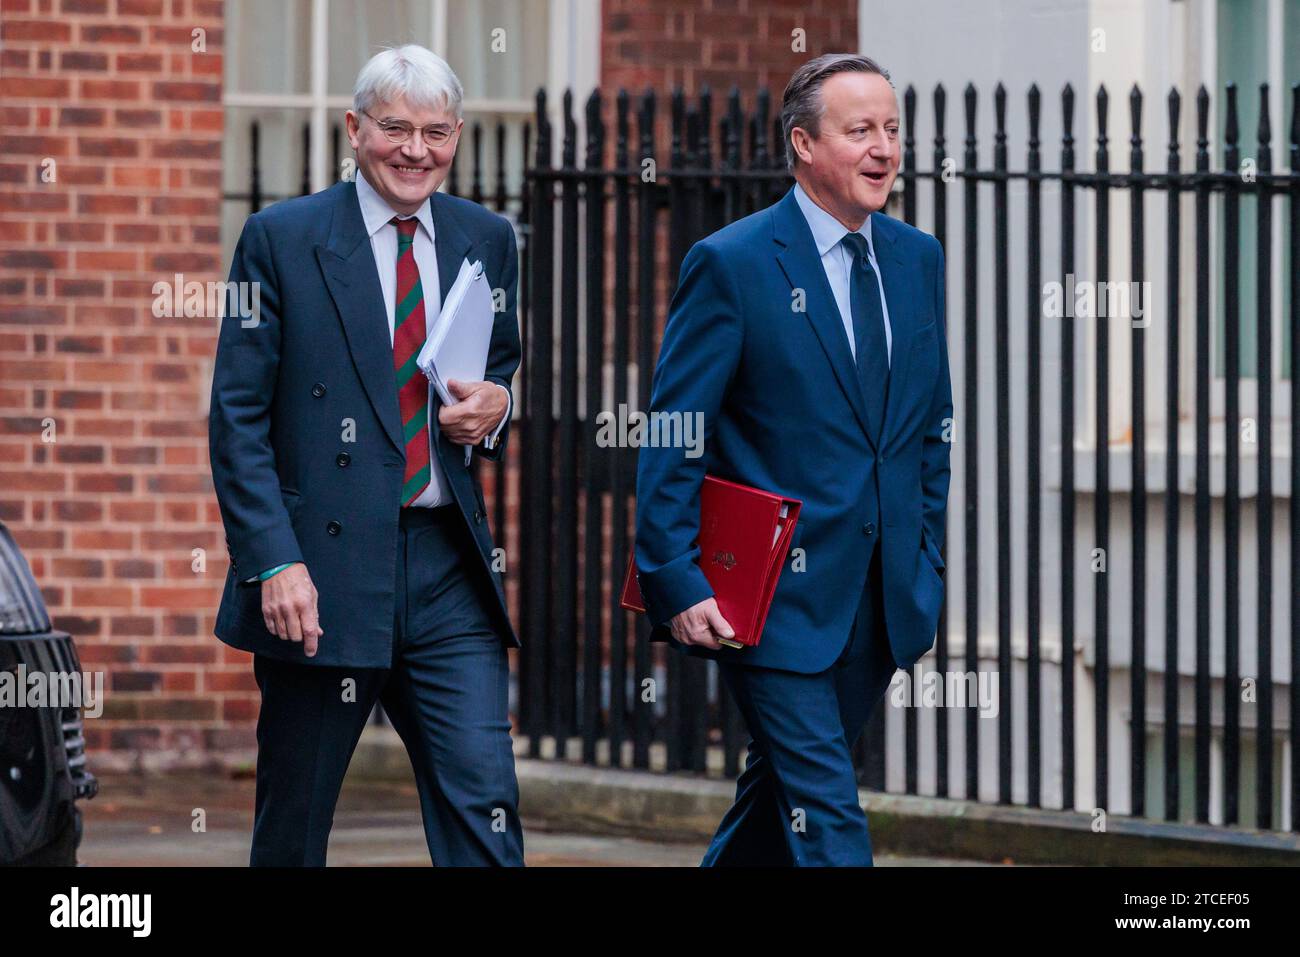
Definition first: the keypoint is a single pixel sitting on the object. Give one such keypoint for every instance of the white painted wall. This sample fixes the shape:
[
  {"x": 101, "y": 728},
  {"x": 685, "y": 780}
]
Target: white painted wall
[{"x": 1155, "y": 44}]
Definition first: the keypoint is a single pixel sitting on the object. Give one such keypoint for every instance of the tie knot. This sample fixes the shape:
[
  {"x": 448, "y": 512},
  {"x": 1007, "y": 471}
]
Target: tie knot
[
  {"x": 405, "y": 229},
  {"x": 857, "y": 244}
]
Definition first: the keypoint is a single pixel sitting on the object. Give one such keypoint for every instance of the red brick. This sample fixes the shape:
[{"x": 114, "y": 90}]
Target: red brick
[
  {"x": 89, "y": 454},
  {"x": 180, "y": 681},
  {"x": 104, "y": 483},
  {"x": 137, "y": 119},
  {"x": 179, "y": 709},
  {"x": 119, "y": 90},
  {"x": 102, "y": 596},
  {"x": 43, "y": 31},
  {"x": 78, "y": 568},
  {"x": 140, "y": 8},
  {"x": 139, "y": 63},
  {"x": 30, "y": 539},
  {"x": 74, "y": 60},
  {"x": 79, "y": 626},
  {"x": 135, "y": 568},
  {"x": 108, "y": 260},
  {"x": 102, "y": 653},
  {"x": 239, "y": 709},
  {"x": 225, "y": 681},
  {"x": 117, "y": 427},
  {"x": 135, "y": 513},
  {"x": 100, "y": 538},
  {"x": 109, "y": 147},
  {"x": 78, "y": 511},
  {"x": 78, "y": 399},
  {"x": 107, "y": 205},
  {"x": 192, "y": 92},
  {"x": 79, "y": 231},
  {"x": 186, "y": 654},
  {"x": 136, "y": 233},
  {"x": 110, "y": 33}
]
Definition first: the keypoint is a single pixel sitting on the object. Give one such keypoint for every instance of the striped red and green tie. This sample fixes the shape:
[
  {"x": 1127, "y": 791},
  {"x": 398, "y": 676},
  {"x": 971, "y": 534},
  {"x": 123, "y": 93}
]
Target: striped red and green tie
[{"x": 412, "y": 386}]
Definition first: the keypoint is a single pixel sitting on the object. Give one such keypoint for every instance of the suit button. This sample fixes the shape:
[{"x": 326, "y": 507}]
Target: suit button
[
  {"x": 333, "y": 528},
  {"x": 869, "y": 529},
  {"x": 318, "y": 389},
  {"x": 478, "y": 517},
  {"x": 343, "y": 459}
]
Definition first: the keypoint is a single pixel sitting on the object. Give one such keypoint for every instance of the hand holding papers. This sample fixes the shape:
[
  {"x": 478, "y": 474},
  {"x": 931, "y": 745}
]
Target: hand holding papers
[{"x": 457, "y": 345}]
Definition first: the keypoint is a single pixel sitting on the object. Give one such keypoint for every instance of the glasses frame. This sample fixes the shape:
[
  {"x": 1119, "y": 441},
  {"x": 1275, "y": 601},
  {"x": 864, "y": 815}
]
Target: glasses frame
[{"x": 389, "y": 127}]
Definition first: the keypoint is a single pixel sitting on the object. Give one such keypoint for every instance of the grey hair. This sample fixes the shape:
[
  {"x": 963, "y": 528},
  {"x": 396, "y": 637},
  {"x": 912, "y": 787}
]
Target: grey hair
[
  {"x": 802, "y": 105},
  {"x": 412, "y": 71}
]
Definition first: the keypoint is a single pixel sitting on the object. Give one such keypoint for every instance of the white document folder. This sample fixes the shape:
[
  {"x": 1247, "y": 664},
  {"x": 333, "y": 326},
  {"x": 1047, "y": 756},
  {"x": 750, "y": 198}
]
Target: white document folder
[{"x": 457, "y": 345}]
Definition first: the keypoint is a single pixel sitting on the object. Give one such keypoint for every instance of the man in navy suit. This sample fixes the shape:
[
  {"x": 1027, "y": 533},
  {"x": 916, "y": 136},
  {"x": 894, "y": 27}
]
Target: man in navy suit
[
  {"x": 811, "y": 336},
  {"x": 361, "y": 563}
]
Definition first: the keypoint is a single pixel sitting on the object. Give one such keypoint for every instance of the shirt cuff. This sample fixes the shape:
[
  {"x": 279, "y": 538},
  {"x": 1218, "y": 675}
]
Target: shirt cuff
[
  {"x": 490, "y": 440},
  {"x": 274, "y": 571}
]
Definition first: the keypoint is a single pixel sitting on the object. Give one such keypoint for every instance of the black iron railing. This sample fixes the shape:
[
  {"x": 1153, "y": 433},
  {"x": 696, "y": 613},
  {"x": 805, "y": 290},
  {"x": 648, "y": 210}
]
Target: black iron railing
[{"x": 606, "y": 239}]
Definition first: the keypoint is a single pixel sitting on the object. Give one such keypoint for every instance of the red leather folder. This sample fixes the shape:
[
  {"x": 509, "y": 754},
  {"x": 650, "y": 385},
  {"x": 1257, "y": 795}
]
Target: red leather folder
[{"x": 745, "y": 534}]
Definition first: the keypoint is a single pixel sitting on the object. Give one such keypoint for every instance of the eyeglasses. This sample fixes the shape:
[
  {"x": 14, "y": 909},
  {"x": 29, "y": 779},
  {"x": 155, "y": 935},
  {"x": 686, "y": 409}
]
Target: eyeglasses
[{"x": 399, "y": 131}]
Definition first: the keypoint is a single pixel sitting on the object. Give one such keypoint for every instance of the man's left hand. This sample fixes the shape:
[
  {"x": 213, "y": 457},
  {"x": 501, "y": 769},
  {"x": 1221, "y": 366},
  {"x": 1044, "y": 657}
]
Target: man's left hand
[{"x": 478, "y": 410}]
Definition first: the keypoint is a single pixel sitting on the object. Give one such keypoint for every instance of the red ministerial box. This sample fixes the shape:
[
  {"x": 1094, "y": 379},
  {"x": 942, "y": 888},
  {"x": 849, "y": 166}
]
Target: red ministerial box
[{"x": 745, "y": 534}]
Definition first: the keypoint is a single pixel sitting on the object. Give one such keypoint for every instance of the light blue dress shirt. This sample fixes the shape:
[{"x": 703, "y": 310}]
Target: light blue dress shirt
[{"x": 828, "y": 233}]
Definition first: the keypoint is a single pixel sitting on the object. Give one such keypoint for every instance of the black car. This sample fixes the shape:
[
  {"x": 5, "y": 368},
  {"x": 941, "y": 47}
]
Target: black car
[{"x": 42, "y": 749}]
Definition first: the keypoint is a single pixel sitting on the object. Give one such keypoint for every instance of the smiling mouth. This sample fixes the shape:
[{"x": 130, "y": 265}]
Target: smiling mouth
[
  {"x": 409, "y": 170},
  {"x": 876, "y": 177}
]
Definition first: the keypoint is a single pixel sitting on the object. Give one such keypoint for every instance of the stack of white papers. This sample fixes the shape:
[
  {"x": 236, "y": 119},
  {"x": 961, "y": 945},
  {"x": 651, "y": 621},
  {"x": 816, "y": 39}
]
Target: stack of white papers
[{"x": 457, "y": 345}]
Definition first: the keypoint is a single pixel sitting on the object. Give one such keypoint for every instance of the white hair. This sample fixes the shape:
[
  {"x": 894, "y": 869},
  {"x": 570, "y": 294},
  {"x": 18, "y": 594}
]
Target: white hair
[{"x": 412, "y": 71}]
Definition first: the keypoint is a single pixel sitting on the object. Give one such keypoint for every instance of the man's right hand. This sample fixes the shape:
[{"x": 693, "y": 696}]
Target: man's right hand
[
  {"x": 701, "y": 624},
  {"x": 289, "y": 607}
]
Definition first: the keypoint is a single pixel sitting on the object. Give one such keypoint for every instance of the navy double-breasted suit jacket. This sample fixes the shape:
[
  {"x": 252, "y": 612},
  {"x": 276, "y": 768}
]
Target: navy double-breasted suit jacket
[{"x": 305, "y": 435}]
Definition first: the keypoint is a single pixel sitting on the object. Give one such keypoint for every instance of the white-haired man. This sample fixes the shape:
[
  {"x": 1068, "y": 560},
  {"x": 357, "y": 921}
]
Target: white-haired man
[{"x": 360, "y": 555}]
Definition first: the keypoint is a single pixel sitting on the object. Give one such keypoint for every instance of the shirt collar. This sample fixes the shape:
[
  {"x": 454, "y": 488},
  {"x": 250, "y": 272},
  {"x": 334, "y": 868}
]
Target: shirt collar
[
  {"x": 376, "y": 213},
  {"x": 827, "y": 231}
]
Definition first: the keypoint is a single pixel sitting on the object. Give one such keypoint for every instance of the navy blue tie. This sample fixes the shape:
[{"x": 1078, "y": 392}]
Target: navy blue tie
[{"x": 868, "y": 332}]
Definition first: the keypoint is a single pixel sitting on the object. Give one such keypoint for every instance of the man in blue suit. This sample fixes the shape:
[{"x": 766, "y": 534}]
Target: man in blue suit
[
  {"x": 811, "y": 336},
  {"x": 361, "y": 563}
]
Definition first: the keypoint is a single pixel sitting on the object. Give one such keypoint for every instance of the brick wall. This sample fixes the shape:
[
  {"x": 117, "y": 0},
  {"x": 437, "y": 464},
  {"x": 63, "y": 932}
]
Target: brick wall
[
  {"x": 721, "y": 43},
  {"x": 111, "y": 179}
]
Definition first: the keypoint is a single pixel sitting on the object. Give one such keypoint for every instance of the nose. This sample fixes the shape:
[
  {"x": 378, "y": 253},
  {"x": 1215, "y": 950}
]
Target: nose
[{"x": 415, "y": 148}]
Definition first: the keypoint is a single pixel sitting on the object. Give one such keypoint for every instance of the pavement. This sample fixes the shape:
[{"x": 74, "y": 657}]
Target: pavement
[
  {"x": 205, "y": 819},
  {"x": 580, "y": 815}
]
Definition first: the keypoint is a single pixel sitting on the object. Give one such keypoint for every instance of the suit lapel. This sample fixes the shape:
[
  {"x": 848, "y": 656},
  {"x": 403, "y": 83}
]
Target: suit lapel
[
  {"x": 797, "y": 257},
  {"x": 899, "y": 295},
  {"x": 352, "y": 278}
]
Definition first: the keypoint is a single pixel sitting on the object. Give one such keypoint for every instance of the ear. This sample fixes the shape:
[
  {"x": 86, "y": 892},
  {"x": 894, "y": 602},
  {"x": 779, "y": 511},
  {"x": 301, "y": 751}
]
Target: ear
[
  {"x": 802, "y": 143},
  {"x": 354, "y": 128}
]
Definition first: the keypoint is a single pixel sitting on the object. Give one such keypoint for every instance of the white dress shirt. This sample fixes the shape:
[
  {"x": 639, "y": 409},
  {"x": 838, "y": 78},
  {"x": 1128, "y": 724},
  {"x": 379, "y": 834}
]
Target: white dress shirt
[
  {"x": 378, "y": 215},
  {"x": 828, "y": 233}
]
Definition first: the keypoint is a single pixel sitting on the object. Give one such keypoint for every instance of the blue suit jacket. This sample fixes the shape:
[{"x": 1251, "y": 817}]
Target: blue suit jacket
[
  {"x": 783, "y": 411},
  {"x": 285, "y": 392}
]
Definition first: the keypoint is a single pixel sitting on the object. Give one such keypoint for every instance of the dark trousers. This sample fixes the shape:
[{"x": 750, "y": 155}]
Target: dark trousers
[
  {"x": 797, "y": 800},
  {"x": 445, "y": 695}
]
